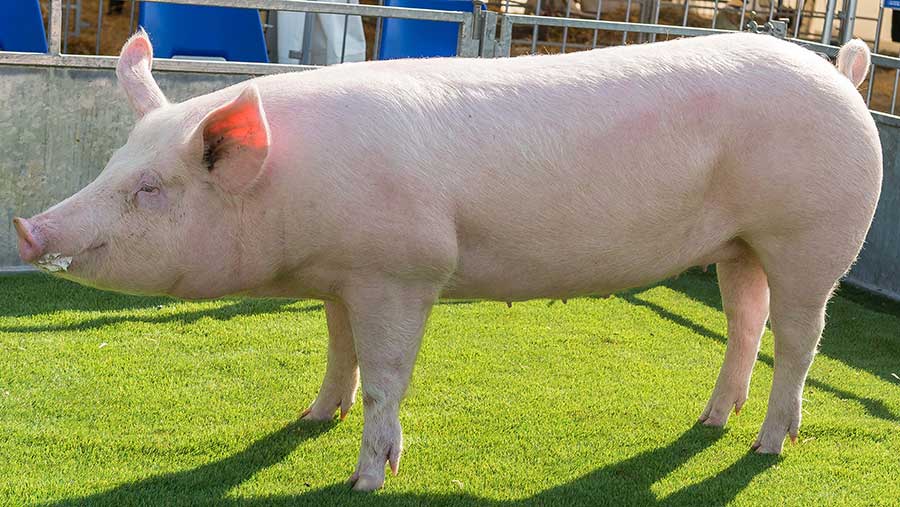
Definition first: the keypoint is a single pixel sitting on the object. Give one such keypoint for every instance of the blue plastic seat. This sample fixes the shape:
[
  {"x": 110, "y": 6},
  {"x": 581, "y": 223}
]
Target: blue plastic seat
[
  {"x": 213, "y": 32},
  {"x": 21, "y": 26},
  {"x": 408, "y": 38}
]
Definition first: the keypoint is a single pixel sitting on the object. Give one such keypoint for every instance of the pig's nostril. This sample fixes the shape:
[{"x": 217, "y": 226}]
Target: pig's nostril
[{"x": 29, "y": 247}]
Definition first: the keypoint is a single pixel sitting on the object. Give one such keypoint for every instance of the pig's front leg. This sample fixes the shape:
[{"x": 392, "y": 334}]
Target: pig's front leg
[
  {"x": 341, "y": 374},
  {"x": 388, "y": 319}
]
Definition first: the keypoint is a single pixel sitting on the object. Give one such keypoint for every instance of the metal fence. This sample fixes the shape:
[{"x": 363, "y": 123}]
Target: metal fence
[{"x": 83, "y": 37}]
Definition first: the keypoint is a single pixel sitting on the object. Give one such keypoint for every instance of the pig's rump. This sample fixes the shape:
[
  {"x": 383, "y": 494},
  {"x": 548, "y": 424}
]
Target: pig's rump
[{"x": 585, "y": 173}]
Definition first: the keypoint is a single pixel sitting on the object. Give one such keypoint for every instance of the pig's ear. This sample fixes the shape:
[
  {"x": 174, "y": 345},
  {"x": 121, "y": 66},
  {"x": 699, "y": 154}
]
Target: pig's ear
[
  {"x": 134, "y": 75},
  {"x": 235, "y": 140}
]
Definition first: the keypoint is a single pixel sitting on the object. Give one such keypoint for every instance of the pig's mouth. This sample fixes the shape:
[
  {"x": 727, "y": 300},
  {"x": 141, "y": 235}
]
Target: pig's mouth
[
  {"x": 59, "y": 263},
  {"x": 54, "y": 262}
]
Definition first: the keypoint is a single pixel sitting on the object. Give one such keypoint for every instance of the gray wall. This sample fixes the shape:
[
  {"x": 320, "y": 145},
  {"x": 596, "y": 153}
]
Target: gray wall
[
  {"x": 878, "y": 266},
  {"x": 59, "y": 126}
]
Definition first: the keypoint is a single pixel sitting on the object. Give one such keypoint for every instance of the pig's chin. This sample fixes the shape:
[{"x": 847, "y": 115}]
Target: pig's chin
[{"x": 85, "y": 267}]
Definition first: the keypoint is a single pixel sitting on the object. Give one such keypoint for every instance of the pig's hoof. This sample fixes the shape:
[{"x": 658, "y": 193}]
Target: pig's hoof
[
  {"x": 771, "y": 438},
  {"x": 762, "y": 448},
  {"x": 323, "y": 408},
  {"x": 317, "y": 413},
  {"x": 782, "y": 419},
  {"x": 718, "y": 409},
  {"x": 365, "y": 482},
  {"x": 312, "y": 414}
]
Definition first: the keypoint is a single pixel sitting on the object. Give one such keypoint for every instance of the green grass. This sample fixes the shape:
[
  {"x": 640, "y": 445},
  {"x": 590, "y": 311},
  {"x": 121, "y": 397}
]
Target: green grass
[{"x": 116, "y": 400}]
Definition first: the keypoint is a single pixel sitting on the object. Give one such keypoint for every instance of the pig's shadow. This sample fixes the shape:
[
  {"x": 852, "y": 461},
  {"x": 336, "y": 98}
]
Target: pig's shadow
[
  {"x": 38, "y": 293},
  {"x": 627, "y": 482},
  {"x": 26, "y": 295},
  {"x": 233, "y": 309},
  {"x": 877, "y": 350}
]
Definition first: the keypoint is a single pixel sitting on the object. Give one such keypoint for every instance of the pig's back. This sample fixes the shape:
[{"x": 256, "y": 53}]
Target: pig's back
[{"x": 554, "y": 163}]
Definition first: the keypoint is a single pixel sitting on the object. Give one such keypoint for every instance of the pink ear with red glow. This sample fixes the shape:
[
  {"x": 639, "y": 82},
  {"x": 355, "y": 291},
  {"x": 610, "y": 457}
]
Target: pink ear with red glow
[
  {"x": 236, "y": 140},
  {"x": 133, "y": 72}
]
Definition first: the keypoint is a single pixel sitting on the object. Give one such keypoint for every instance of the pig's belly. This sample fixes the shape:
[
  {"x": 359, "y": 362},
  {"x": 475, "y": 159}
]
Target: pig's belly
[{"x": 531, "y": 268}]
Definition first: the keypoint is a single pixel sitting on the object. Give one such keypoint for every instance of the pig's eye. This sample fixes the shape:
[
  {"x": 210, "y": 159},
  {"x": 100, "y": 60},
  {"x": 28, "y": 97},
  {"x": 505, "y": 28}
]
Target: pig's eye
[{"x": 149, "y": 189}]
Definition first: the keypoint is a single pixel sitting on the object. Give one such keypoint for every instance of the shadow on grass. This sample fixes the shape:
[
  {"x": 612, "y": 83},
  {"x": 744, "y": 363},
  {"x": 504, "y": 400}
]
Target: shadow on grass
[
  {"x": 38, "y": 293},
  {"x": 863, "y": 340},
  {"x": 875, "y": 408},
  {"x": 211, "y": 481},
  {"x": 235, "y": 309},
  {"x": 28, "y": 295},
  {"x": 628, "y": 482},
  {"x": 851, "y": 337}
]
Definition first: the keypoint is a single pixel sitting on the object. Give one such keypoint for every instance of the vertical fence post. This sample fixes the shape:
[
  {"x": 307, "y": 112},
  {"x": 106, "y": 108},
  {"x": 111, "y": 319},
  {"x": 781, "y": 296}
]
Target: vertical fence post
[
  {"x": 99, "y": 26},
  {"x": 55, "y": 27},
  {"x": 848, "y": 20},
  {"x": 534, "y": 31},
  {"x": 309, "y": 24},
  {"x": 271, "y": 35},
  {"x": 131, "y": 17},
  {"x": 65, "y": 25},
  {"x": 488, "y": 31},
  {"x": 504, "y": 46},
  {"x": 871, "y": 84},
  {"x": 377, "y": 46},
  {"x": 597, "y": 18},
  {"x": 799, "y": 15},
  {"x": 467, "y": 46},
  {"x": 829, "y": 21},
  {"x": 565, "y": 36}
]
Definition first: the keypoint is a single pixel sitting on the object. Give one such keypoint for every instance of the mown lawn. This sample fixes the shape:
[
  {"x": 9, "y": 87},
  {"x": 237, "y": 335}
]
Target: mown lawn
[{"x": 116, "y": 400}]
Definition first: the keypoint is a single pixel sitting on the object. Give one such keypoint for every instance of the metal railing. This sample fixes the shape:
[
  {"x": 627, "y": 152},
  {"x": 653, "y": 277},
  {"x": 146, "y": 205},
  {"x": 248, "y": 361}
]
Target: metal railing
[
  {"x": 468, "y": 45},
  {"x": 512, "y": 28}
]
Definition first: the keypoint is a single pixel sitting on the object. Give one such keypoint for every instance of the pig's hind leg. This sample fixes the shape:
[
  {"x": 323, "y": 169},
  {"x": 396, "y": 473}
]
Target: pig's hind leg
[
  {"x": 745, "y": 299},
  {"x": 341, "y": 374},
  {"x": 803, "y": 269},
  {"x": 388, "y": 319}
]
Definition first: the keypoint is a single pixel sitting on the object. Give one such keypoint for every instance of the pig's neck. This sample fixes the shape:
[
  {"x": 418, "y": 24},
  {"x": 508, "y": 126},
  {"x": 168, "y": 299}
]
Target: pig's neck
[{"x": 274, "y": 257}]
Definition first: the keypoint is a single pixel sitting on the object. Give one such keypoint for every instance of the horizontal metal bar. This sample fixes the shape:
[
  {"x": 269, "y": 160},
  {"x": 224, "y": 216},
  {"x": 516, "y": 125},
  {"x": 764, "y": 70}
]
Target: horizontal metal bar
[
  {"x": 890, "y": 62},
  {"x": 551, "y": 44},
  {"x": 17, "y": 270},
  {"x": 614, "y": 26},
  {"x": 162, "y": 64},
  {"x": 333, "y": 8}
]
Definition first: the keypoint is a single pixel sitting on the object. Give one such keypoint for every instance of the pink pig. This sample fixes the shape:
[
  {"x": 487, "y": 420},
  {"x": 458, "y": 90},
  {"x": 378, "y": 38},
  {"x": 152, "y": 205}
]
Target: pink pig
[{"x": 381, "y": 187}]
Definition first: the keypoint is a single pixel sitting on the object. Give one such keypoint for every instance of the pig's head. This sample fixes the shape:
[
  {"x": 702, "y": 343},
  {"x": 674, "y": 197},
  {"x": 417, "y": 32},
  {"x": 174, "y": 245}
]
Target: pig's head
[{"x": 163, "y": 217}]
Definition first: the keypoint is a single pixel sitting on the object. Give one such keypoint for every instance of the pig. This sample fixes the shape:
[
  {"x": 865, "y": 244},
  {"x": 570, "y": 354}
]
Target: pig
[{"x": 381, "y": 187}]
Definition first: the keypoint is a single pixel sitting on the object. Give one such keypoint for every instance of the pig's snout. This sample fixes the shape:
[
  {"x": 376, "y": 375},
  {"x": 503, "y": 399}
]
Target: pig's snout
[{"x": 31, "y": 247}]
